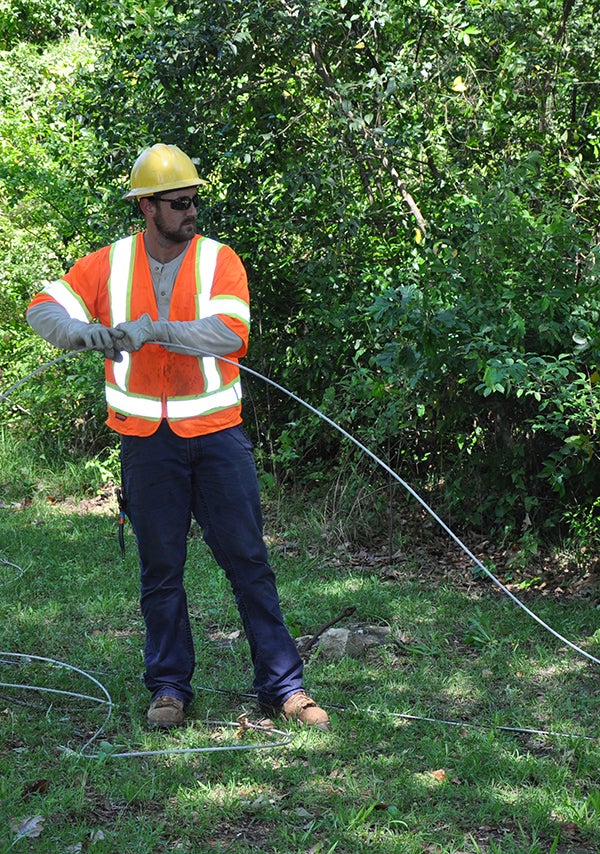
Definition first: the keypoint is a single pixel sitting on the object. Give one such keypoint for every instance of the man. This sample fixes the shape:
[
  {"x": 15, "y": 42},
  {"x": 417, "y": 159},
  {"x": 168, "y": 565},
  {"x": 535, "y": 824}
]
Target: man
[{"x": 162, "y": 298}]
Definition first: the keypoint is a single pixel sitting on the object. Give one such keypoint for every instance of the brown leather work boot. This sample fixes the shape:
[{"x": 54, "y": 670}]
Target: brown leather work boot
[
  {"x": 300, "y": 707},
  {"x": 165, "y": 712}
]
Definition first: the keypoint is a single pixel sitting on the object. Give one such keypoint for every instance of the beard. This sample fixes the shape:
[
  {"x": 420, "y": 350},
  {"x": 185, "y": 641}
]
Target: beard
[{"x": 184, "y": 231}]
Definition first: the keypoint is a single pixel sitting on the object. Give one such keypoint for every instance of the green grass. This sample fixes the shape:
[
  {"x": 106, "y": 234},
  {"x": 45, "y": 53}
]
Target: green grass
[{"x": 385, "y": 778}]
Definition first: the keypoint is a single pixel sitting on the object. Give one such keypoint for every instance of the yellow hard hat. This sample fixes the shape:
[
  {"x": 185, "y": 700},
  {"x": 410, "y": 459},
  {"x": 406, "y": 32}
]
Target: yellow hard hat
[{"x": 160, "y": 168}]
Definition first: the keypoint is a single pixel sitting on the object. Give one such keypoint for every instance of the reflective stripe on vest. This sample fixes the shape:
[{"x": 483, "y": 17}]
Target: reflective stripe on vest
[
  {"x": 215, "y": 396},
  {"x": 65, "y": 296},
  {"x": 207, "y": 306},
  {"x": 177, "y": 409},
  {"x": 122, "y": 259},
  {"x": 205, "y": 273}
]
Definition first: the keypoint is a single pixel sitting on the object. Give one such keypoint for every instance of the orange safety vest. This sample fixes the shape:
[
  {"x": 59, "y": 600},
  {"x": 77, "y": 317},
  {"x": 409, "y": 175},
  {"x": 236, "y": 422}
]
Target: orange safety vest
[{"x": 197, "y": 395}]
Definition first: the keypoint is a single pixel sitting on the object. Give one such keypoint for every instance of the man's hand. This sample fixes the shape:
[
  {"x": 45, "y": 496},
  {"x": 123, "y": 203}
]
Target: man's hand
[
  {"x": 95, "y": 336},
  {"x": 135, "y": 333}
]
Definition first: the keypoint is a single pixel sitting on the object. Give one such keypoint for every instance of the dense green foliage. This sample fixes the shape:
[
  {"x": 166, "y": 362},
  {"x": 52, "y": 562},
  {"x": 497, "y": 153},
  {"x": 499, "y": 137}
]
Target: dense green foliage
[{"x": 413, "y": 188}]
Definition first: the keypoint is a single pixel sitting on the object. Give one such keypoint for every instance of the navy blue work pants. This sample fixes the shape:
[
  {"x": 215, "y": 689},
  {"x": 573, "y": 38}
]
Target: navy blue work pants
[{"x": 167, "y": 480}]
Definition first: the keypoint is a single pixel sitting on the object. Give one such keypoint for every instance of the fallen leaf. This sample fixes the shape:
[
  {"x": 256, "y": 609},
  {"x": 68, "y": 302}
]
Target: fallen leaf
[
  {"x": 302, "y": 813},
  {"x": 439, "y": 775},
  {"x": 30, "y": 827},
  {"x": 261, "y": 802},
  {"x": 39, "y": 787},
  {"x": 570, "y": 829}
]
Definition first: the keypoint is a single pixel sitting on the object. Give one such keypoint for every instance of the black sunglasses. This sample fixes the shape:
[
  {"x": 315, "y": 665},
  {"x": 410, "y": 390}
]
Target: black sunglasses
[{"x": 183, "y": 203}]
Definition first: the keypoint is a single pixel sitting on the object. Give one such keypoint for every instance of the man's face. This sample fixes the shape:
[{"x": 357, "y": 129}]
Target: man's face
[{"x": 176, "y": 226}]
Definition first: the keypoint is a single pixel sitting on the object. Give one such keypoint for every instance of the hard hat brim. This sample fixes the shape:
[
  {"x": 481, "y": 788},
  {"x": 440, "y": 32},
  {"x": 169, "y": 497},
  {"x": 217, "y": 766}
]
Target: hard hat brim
[{"x": 144, "y": 192}]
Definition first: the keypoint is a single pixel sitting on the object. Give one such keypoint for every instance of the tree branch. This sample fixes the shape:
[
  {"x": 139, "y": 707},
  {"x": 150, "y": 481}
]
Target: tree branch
[{"x": 381, "y": 153}]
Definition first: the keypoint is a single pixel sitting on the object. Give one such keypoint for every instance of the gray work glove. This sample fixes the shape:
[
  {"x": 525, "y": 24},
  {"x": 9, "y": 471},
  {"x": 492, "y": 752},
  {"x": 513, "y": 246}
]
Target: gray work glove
[
  {"x": 136, "y": 333},
  {"x": 95, "y": 336}
]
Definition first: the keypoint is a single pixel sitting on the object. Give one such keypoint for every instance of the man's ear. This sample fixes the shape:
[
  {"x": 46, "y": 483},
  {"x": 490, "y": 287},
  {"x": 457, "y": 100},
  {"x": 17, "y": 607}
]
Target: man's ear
[{"x": 146, "y": 205}]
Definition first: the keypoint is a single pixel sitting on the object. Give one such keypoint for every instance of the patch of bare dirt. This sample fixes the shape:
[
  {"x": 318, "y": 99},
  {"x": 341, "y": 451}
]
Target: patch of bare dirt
[{"x": 439, "y": 558}]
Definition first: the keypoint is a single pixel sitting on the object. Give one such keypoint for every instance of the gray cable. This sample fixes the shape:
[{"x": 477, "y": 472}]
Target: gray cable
[
  {"x": 20, "y": 570},
  {"x": 286, "y": 738},
  {"x": 25, "y": 658},
  {"x": 392, "y": 473},
  {"x": 415, "y": 495},
  {"x": 37, "y": 371}
]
